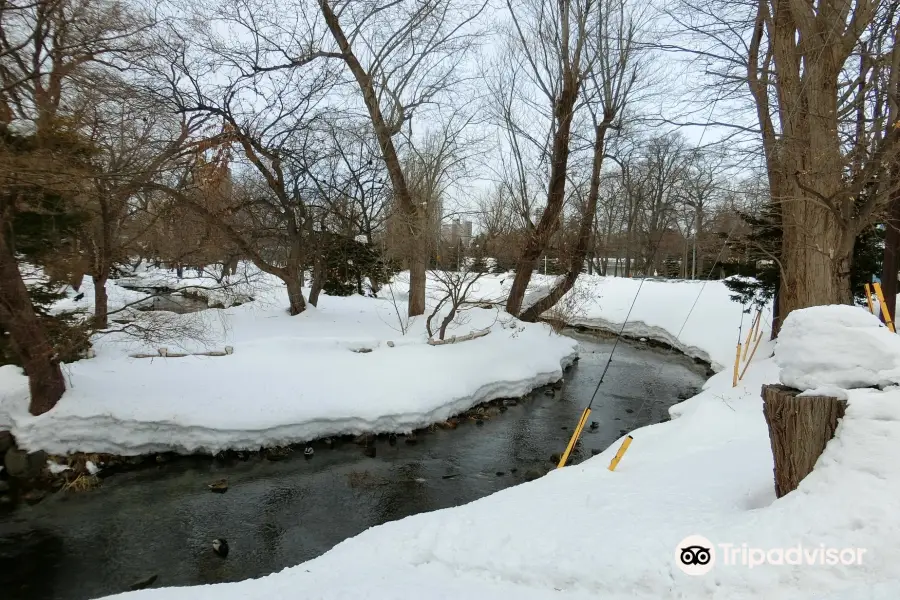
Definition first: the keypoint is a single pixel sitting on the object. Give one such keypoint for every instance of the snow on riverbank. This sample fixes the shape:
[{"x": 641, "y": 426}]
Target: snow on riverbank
[
  {"x": 292, "y": 379},
  {"x": 289, "y": 379},
  {"x": 585, "y": 532},
  {"x": 696, "y": 317}
]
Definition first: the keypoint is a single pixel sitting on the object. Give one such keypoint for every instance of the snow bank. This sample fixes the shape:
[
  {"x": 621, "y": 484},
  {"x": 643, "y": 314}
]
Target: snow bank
[
  {"x": 837, "y": 347},
  {"x": 585, "y": 532},
  {"x": 246, "y": 284},
  {"x": 289, "y": 379},
  {"x": 696, "y": 317}
]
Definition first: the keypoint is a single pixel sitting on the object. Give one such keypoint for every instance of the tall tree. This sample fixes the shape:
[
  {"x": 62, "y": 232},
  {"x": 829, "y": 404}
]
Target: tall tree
[
  {"x": 612, "y": 35},
  {"x": 808, "y": 90},
  {"x": 403, "y": 56},
  {"x": 550, "y": 51},
  {"x": 48, "y": 48}
]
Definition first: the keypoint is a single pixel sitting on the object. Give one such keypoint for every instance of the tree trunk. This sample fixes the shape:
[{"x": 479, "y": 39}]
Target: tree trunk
[
  {"x": 537, "y": 240},
  {"x": 419, "y": 229},
  {"x": 816, "y": 261},
  {"x": 318, "y": 280},
  {"x": 776, "y": 312},
  {"x": 891, "y": 250},
  {"x": 799, "y": 429},
  {"x": 27, "y": 335},
  {"x": 418, "y": 272},
  {"x": 101, "y": 302},
  {"x": 295, "y": 294},
  {"x": 585, "y": 230}
]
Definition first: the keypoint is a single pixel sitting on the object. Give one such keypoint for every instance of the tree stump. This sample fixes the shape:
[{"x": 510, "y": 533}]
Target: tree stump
[{"x": 799, "y": 429}]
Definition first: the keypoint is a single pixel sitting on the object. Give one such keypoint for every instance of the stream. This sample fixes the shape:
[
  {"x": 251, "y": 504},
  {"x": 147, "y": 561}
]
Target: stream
[{"x": 162, "y": 520}]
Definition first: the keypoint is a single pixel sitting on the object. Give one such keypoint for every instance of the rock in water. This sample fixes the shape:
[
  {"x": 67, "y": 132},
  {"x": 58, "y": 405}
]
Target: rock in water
[
  {"x": 143, "y": 583},
  {"x": 365, "y": 439},
  {"x": 34, "y": 496},
  {"x": 7, "y": 441},
  {"x": 25, "y": 465},
  {"x": 532, "y": 474},
  {"x": 219, "y": 487}
]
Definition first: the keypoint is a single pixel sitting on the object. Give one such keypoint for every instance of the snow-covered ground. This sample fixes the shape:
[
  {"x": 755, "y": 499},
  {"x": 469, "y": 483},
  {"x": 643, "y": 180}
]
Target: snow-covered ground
[
  {"x": 288, "y": 380},
  {"x": 585, "y": 532},
  {"x": 696, "y": 317},
  {"x": 293, "y": 379}
]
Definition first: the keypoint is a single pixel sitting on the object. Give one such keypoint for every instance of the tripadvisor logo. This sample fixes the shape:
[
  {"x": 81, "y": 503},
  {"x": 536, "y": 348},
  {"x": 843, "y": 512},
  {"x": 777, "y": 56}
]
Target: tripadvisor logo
[{"x": 696, "y": 555}]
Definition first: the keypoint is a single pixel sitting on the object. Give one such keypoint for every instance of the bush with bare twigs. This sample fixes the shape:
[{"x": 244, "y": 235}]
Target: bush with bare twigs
[{"x": 454, "y": 289}]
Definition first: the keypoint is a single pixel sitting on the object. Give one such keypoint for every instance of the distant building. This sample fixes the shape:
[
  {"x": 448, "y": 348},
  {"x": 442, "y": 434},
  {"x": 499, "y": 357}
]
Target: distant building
[{"x": 457, "y": 232}]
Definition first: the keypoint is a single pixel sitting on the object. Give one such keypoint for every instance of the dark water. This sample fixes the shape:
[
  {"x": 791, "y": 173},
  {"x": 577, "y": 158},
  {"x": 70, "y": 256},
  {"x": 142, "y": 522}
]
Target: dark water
[
  {"x": 278, "y": 514},
  {"x": 175, "y": 303}
]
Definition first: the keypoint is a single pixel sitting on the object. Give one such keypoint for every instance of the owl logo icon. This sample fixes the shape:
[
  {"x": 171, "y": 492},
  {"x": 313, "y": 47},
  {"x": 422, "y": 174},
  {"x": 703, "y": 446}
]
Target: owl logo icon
[{"x": 695, "y": 555}]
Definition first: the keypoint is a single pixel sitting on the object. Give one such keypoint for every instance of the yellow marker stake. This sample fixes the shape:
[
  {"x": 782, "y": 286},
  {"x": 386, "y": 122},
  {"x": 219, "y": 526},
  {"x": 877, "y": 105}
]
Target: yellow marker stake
[
  {"x": 750, "y": 334},
  {"x": 615, "y": 461},
  {"x": 755, "y": 346},
  {"x": 884, "y": 309},
  {"x": 737, "y": 364},
  {"x": 575, "y": 434},
  {"x": 869, "y": 299}
]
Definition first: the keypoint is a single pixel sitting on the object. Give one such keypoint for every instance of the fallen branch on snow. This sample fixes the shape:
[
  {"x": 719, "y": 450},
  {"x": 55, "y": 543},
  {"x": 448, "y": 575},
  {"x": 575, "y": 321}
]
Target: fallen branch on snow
[
  {"x": 165, "y": 353},
  {"x": 461, "y": 338}
]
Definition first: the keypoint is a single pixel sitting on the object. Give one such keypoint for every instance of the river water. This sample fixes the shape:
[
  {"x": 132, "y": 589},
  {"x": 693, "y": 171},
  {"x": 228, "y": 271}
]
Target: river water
[{"x": 161, "y": 521}]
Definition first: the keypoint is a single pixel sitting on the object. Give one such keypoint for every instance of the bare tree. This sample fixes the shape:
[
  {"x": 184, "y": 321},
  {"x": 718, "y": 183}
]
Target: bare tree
[
  {"x": 132, "y": 145},
  {"x": 612, "y": 35},
  {"x": 403, "y": 57},
  {"x": 270, "y": 112},
  {"x": 828, "y": 190},
  {"x": 549, "y": 47},
  {"x": 453, "y": 294},
  {"x": 815, "y": 72}
]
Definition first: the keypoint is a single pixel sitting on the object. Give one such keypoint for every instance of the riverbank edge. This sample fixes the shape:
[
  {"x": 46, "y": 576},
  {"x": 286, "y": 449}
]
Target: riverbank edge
[
  {"x": 86, "y": 470},
  {"x": 647, "y": 340},
  {"x": 82, "y": 473}
]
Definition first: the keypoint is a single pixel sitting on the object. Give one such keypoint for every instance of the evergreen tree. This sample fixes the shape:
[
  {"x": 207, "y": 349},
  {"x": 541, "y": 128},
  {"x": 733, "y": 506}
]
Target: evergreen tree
[
  {"x": 39, "y": 223},
  {"x": 759, "y": 270}
]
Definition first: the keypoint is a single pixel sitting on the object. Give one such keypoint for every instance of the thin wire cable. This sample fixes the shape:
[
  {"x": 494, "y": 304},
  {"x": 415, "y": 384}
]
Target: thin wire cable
[
  {"x": 697, "y": 299},
  {"x": 686, "y": 319},
  {"x": 644, "y": 278},
  {"x": 625, "y": 322}
]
